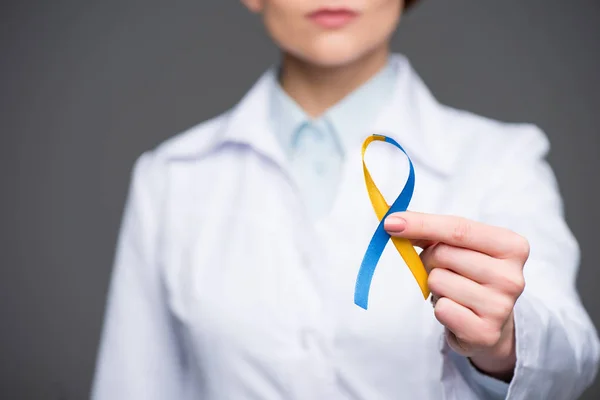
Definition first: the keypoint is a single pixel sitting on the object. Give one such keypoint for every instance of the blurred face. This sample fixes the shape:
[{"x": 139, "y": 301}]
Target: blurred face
[{"x": 329, "y": 33}]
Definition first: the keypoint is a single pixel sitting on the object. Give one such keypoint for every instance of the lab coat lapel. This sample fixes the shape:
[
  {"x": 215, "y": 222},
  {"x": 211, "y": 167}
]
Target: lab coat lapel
[{"x": 248, "y": 122}]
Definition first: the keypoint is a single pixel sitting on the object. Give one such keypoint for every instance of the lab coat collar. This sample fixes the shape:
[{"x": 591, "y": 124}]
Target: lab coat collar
[
  {"x": 248, "y": 122},
  {"x": 413, "y": 118}
]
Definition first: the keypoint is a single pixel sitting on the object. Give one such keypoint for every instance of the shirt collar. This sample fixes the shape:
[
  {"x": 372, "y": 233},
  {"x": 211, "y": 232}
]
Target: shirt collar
[
  {"x": 353, "y": 116},
  {"x": 412, "y": 117},
  {"x": 349, "y": 119}
]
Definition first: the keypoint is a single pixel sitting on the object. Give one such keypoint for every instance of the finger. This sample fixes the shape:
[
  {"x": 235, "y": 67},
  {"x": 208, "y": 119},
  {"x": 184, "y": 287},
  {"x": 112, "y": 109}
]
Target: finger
[
  {"x": 474, "y": 265},
  {"x": 471, "y": 331},
  {"x": 423, "y": 244},
  {"x": 445, "y": 283},
  {"x": 457, "y": 231},
  {"x": 487, "y": 303},
  {"x": 426, "y": 257},
  {"x": 503, "y": 276},
  {"x": 462, "y": 348}
]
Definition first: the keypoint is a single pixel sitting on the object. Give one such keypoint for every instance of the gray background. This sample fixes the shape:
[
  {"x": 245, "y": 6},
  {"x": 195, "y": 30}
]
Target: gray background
[{"x": 86, "y": 86}]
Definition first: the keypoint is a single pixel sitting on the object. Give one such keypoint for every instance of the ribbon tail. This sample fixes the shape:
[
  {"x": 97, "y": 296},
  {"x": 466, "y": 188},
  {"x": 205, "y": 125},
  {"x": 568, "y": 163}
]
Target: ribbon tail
[
  {"x": 413, "y": 262},
  {"x": 367, "y": 267}
]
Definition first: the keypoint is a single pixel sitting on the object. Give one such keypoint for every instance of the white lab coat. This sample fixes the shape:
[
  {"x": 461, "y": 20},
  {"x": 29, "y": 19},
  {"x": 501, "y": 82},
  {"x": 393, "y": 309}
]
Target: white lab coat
[{"x": 224, "y": 289}]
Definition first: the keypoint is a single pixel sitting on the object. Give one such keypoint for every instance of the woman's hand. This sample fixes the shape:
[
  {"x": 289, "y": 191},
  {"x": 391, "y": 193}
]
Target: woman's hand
[{"x": 475, "y": 277}]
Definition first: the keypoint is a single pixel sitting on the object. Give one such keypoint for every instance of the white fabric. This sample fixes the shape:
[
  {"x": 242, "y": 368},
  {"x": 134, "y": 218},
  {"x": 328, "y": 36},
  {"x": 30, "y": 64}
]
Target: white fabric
[{"x": 223, "y": 289}]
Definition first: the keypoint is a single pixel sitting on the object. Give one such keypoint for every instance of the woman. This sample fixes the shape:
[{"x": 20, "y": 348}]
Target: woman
[{"x": 242, "y": 239}]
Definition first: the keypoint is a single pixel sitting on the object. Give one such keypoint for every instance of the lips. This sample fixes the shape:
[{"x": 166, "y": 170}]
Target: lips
[{"x": 332, "y": 18}]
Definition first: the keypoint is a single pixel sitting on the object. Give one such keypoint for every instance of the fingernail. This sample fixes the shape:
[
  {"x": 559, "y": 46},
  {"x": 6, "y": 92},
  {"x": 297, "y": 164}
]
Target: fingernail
[{"x": 394, "y": 223}]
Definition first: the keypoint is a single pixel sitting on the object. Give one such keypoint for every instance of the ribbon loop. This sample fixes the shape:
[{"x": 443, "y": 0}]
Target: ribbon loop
[{"x": 381, "y": 237}]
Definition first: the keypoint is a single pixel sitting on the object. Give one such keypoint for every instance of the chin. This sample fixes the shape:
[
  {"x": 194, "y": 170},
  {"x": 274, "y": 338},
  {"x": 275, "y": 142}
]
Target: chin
[{"x": 332, "y": 53}]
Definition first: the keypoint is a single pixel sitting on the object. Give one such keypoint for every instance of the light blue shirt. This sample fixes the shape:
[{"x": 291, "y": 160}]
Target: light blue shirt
[{"x": 316, "y": 150}]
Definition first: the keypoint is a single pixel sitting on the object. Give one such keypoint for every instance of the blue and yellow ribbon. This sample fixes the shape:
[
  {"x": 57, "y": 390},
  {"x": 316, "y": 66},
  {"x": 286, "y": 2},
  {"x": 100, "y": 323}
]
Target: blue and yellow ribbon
[{"x": 381, "y": 237}]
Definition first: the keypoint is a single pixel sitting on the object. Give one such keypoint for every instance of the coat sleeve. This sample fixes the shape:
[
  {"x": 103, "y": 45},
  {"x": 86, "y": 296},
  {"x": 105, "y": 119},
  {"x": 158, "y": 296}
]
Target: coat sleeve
[
  {"x": 140, "y": 355},
  {"x": 557, "y": 345}
]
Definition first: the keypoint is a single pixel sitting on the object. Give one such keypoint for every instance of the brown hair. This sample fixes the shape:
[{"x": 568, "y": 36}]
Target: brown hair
[{"x": 408, "y": 3}]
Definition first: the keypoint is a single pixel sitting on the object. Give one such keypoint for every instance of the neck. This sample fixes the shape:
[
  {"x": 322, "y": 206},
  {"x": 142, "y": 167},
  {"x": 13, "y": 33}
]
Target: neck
[{"x": 317, "y": 88}]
